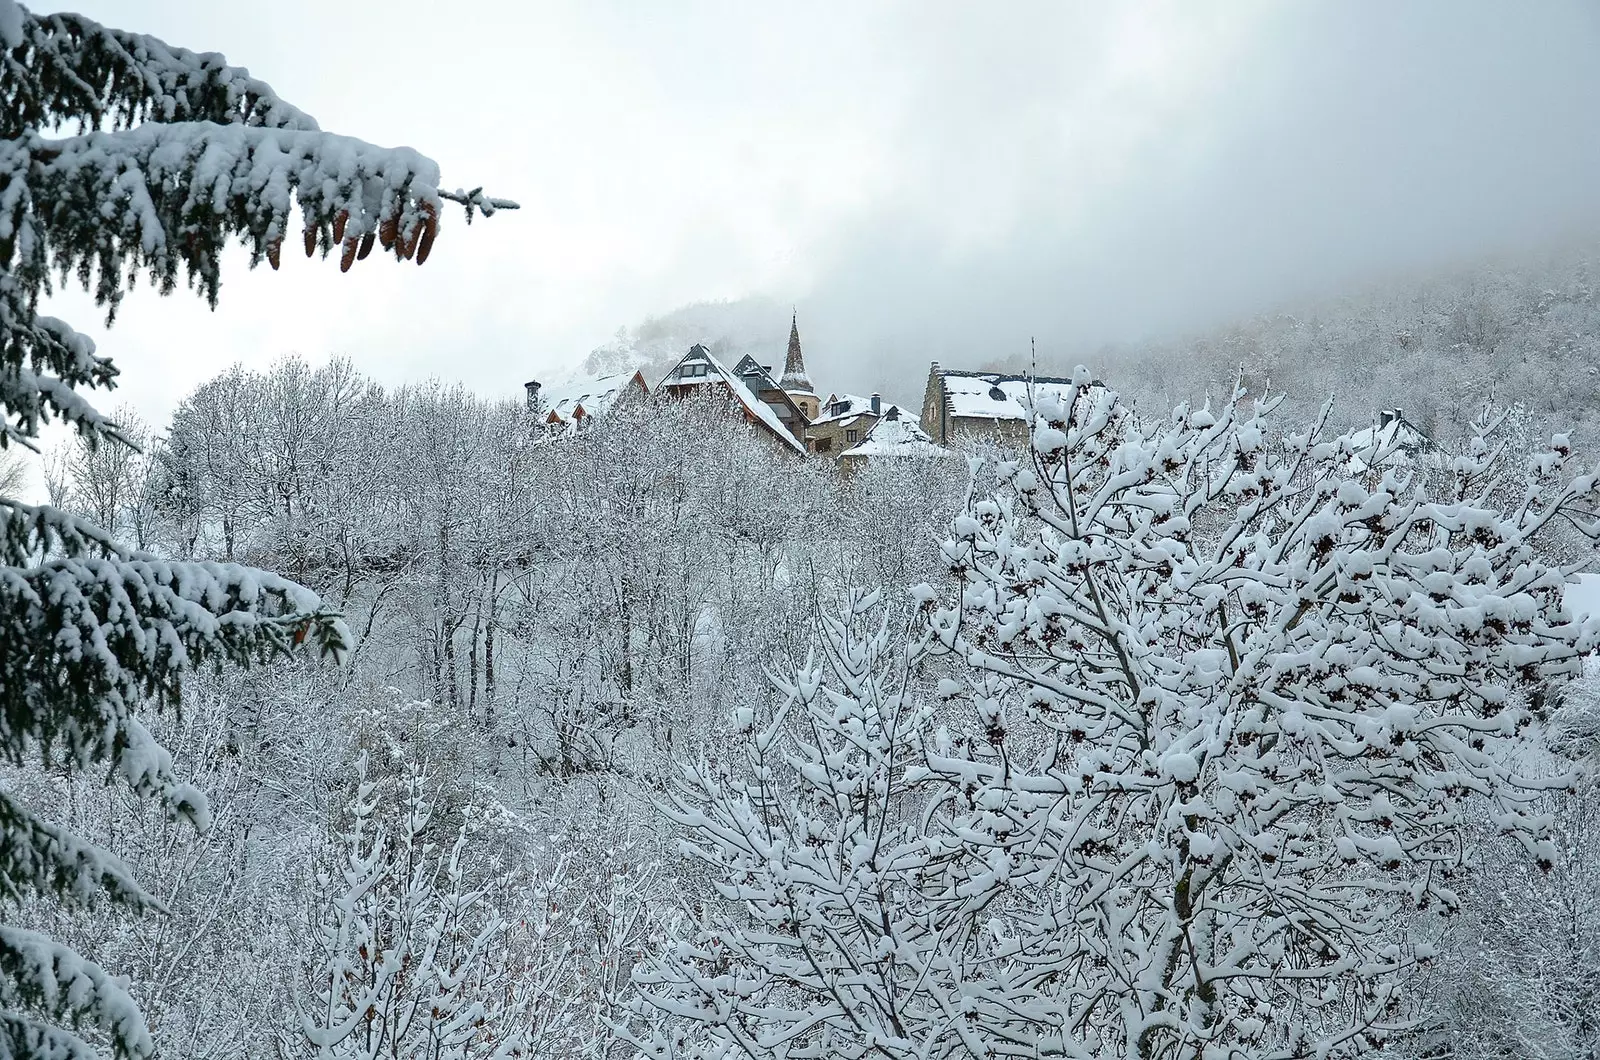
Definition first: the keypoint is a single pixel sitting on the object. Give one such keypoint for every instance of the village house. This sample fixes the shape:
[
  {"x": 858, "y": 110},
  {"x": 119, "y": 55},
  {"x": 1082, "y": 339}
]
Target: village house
[
  {"x": 848, "y": 429},
  {"x": 568, "y": 406},
  {"x": 1392, "y": 442},
  {"x": 960, "y": 407},
  {"x": 779, "y": 416},
  {"x": 845, "y": 421},
  {"x": 894, "y": 437}
]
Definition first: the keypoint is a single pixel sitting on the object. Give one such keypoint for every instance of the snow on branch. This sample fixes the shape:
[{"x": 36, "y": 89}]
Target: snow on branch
[
  {"x": 23, "y": 1037},
  {"x": 37, "y": 857},
  {"x": 1207, "y": 718},
  {"x": 175, "y": 154},
  {"x": 104, "y": 631},
  {"x": 49, "y": 977},
  {"x": 160, "y": 197},
  {"x": 64, "y": 69}
]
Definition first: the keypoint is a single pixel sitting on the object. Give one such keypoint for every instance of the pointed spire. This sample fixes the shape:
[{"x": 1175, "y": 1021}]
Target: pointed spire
[{"x": 795, "y": 379}]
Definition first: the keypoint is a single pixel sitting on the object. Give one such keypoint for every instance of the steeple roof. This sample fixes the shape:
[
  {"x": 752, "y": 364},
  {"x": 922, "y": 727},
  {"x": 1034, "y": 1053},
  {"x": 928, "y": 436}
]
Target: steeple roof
[{"x": 795, "y": 380}]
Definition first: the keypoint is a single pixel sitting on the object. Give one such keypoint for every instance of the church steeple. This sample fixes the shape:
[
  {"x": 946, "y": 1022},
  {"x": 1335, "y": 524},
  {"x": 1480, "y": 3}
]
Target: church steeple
[{"x": 795, "y": 380}]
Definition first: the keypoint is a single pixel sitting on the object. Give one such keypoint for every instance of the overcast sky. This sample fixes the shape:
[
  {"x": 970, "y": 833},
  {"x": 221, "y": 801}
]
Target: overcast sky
[{"x": 923, "y": 180}]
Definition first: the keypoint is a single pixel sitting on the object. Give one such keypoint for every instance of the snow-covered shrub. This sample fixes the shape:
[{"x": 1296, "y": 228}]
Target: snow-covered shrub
[
  {"x": 410, "y": 957},
  {"x": 1209, "y": 716}
]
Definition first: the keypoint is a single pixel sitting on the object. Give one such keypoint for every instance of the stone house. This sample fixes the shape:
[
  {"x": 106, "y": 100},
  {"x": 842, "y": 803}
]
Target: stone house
[{"x": 961, "y": 407}]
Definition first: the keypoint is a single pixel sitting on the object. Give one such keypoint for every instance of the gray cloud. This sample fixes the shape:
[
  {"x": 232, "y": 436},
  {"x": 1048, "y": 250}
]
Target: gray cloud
[
  {"x": 1358, "y": 141},
  {"x": 924, "y": 179}
]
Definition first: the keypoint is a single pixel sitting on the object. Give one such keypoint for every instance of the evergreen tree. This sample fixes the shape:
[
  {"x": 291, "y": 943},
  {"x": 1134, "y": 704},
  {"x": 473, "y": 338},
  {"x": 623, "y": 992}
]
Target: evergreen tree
[{"x": 121, "y": 155}]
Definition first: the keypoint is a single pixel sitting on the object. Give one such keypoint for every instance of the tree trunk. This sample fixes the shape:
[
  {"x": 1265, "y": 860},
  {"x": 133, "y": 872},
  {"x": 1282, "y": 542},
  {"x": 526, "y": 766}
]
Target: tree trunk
[{"x": 488, "y": 649}]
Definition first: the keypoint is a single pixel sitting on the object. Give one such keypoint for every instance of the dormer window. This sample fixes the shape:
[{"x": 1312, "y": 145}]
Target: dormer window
[{"x": 693, "y": 368}]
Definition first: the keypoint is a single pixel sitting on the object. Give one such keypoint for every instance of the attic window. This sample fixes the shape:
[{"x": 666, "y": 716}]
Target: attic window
[
  {"x": 839, "y": 408},
  {"x": 997, "y": 394},
  {"x": 694, "y": 368}
]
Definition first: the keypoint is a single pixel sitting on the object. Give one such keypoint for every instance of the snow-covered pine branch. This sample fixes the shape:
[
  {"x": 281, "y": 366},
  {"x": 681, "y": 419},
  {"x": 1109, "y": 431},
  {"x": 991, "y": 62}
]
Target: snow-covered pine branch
[
  {"x": 121, "y": 155},
  {"x": 1218, "y": 715},
  {"x": 175, "y": 155}
]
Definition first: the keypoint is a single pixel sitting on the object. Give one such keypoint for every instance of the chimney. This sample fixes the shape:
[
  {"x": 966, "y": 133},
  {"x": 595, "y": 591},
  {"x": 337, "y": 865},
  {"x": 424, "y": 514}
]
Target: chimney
[
  {"x": 1388, "y": 416},
  {"x": 532, "y": 387},
  {"x": 877, "y": 405}
]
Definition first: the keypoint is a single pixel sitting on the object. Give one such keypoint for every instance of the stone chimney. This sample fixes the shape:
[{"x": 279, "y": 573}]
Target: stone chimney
[
  {"x": 877, "y": 405},
  {"x": 532, "y": 387}
]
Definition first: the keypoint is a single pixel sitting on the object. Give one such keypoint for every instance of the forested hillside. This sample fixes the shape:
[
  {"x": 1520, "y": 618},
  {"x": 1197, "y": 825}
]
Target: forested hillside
[
  {"x": 1523, "y": 330},
  {"x": 543, "y": 632},
  {"x": 546, "y": 631}
]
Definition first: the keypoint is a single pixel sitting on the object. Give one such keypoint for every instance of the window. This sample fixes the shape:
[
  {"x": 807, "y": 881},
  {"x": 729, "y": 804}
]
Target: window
[
  {"x": 824, "y": 445},
  {"x": 694, "y": 368},
  {"x": 852, "y": 436}
]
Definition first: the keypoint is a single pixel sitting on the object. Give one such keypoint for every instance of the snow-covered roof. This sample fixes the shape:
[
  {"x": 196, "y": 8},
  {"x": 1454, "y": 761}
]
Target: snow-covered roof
[
  {"x": 687, "y": 373},
  {"x": 795, "y": 380},
  {"x": 582, "y": 398},
  {"x": 1391, "y": 442},
  {"x": 750, "y": 368},
  {"x": 854, "y": 407},
  {"x": 896, "y": 436},
  {"x": 995, "y": 396}
]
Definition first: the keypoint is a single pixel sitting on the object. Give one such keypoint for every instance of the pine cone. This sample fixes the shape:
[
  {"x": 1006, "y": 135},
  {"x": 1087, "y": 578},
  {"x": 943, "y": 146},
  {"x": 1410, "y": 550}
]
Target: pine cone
[{"x": 430, "y": 228}]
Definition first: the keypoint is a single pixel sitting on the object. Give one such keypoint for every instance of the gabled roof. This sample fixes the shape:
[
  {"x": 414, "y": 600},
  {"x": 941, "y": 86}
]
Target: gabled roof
[
  {"x": 748, "y": 367},
  {"x": 996, "y": 395},
  {"x": 583, "y": 398},
  {"x": 715, "y": 373},
  {"x": 855, "y": 406},
  {"x": 1393, "y": 441},
  {"x": 896, "y": 435}
]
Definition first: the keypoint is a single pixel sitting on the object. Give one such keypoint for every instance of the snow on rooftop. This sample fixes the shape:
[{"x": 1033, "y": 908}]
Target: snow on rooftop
[
  {"x": 898, "y": 436},
  {"x": 594, "y": 396},
  {"x": 854, "y": 407},
  {"x": 684, "y": 374},
  {"x": 992, "y": 396},
  {"x": 1395, "y": 443}
]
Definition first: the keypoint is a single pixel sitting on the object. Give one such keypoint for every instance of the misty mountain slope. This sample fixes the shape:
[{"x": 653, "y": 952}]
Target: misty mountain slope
[
  {"x": 1523, "y": 332},
  {"x": 756, "y": 325},
  {"x": 1518, "y": 330}
]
